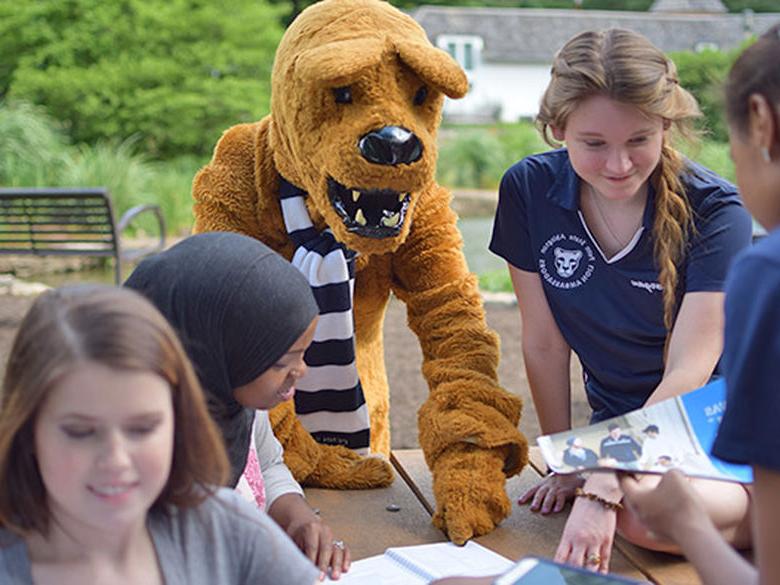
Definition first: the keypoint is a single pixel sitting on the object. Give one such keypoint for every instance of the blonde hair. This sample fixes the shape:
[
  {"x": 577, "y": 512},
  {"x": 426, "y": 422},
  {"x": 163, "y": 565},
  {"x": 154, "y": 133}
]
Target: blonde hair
[
  {"x": 119, "y": 329},
  {"x": 626, "y": 67}
]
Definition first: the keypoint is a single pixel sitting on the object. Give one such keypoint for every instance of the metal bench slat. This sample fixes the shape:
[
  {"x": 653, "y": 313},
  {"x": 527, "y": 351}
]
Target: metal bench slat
[{"x": 63, "y": 230}]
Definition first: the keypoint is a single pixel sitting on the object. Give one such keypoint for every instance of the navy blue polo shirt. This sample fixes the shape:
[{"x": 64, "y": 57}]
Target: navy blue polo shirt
[
  {"x": 624, "y": 449},
  {"x": 751, "y": 359},
  {"x": 611, "y": 311}
]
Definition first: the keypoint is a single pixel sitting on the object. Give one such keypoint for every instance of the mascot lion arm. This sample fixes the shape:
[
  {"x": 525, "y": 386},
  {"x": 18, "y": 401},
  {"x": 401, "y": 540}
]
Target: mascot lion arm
[
  {"x": 226, "y": 199},
  {"x": 468, "y": 425}
]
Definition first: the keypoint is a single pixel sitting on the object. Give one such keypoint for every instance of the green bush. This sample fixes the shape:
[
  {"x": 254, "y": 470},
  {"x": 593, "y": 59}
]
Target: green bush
[
  {"x": 175, "y": 73},
  {"x": 476, "y": 157},
  {"x": 713, "y": 155},
  {"x": 703, "y": 75}
]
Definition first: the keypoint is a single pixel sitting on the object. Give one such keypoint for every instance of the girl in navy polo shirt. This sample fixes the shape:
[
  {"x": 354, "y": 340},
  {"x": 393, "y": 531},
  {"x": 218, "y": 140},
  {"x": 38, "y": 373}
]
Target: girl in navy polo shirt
[
  {"x": 751, "y": 356},
  {"x": 618, "y": 250}
]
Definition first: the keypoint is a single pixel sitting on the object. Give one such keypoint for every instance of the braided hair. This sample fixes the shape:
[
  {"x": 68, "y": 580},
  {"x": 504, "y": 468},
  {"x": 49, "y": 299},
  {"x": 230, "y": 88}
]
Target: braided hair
[{"x": 626, "y": 67}]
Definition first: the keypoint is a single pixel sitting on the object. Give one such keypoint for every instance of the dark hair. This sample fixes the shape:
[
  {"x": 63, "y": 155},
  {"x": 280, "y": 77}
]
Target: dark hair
[
  {"x": 612, "y": 426},
  {"x": 754, "y": 72},
  {"x": 651, "y": 429},
  {"x": 117, "y": 328}
]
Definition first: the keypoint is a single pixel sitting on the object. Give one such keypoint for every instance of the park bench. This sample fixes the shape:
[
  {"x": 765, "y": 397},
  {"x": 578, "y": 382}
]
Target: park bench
[{"x": 70, "y": 222}]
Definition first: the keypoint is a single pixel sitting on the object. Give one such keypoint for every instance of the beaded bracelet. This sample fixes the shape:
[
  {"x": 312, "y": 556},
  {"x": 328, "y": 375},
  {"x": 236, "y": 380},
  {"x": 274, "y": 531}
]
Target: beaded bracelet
[{"x": 580, "y": 493}]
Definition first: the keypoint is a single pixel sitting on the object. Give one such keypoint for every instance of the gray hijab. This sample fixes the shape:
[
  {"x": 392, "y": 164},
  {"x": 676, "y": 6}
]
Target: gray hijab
[{"x": 238, "y": 307}]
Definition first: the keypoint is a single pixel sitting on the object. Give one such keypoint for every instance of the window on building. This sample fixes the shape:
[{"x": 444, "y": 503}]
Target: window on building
[{"x": 465, "y": 49}]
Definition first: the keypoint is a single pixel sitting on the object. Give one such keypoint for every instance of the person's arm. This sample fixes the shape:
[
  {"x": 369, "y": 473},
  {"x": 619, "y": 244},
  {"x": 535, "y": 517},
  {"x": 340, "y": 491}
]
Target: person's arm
[
  {"x": 312, "y": 536},
  {"x": 277, "y": 478},
  {"x": 672, "y": 511},
  {"x": 547, "y": 357},
  {"x": 590, "y": 529},
  {"x": 766, "y": 524},
  {"x": 287, "y": 507},
  {"x": 546, "y": 354},
  {"x": 694, "y": 347}
]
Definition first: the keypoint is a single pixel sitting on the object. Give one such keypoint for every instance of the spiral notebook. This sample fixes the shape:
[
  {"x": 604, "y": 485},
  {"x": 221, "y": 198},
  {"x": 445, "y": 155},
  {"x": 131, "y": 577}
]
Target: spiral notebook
[{"x": 423, "y": 563}]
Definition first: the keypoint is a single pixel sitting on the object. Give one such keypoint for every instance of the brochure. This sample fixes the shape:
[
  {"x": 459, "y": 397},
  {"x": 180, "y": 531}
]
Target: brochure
[
  {"x": 423, "y": 563},
  {"x": 675, "y": 433}
]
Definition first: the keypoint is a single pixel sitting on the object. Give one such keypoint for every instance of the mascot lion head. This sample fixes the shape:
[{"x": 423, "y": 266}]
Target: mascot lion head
[{"x": 357, "y": 93}]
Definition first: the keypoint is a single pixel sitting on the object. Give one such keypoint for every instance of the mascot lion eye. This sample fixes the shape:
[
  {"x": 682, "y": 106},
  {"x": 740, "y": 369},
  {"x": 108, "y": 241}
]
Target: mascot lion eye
[
  {"x": 419, "y": 97},
  {"x": 343, "y": 95}
]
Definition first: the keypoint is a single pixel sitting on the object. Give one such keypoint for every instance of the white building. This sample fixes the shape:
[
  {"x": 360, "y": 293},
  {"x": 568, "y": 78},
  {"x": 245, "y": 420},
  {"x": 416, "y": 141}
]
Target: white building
[{"x": 507, "y": 52}]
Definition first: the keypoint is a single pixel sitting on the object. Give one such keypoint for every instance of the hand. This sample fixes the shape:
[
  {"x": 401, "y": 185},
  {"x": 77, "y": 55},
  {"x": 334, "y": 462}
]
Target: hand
[
  {"x": 552, "y": 493},
  {"x": 342, "y": 468},
  {"x": 468, "y": 482},
  {"x": 587, "y": 538},
  {"x": 315, "y": 539},
  {"x": 666, "y": 510}
]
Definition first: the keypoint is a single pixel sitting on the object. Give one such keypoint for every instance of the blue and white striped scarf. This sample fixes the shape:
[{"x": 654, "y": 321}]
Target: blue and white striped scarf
[{"x": 329, "y": 399}]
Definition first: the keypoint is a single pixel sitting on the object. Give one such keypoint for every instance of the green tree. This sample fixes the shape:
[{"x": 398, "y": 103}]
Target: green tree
[{"x": 175, "y": 73}]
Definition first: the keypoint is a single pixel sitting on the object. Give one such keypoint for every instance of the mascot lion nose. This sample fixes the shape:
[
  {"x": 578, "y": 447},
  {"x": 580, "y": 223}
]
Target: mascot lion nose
[{"x": 391, "y": 145}]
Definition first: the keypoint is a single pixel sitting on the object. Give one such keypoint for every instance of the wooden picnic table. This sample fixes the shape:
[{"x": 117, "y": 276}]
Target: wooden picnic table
[{"x": 400, "y": 515}]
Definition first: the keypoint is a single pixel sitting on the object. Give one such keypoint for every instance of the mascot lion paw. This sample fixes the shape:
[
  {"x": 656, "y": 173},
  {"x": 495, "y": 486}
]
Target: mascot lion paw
[
  {"x": 468, "y": 483},
  {"x": 342, "y": 468},
  {"x": 329, "y": 466}
]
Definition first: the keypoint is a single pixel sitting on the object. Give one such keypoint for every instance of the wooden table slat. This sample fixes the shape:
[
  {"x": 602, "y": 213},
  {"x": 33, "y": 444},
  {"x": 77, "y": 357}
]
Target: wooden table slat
[{"x": 362, "y": 520}]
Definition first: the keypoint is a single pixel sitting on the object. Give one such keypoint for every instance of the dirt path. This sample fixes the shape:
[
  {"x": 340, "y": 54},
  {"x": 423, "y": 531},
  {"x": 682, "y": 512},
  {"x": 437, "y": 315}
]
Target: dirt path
[
  {"x": 408, "y": 389},
  {"x": 402, "y": 352}
]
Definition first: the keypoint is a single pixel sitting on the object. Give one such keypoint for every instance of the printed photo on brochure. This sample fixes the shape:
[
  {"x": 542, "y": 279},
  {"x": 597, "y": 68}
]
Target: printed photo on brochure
[{"x": 675, "y": 433}]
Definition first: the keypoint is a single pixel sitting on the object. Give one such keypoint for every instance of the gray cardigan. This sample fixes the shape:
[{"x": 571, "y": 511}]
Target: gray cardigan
[{"x": 225, "y": 540}]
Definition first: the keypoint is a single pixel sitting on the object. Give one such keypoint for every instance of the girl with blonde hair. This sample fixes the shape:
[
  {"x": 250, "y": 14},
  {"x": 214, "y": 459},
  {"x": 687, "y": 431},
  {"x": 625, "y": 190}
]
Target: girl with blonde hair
[{"x": 618, "y": 249}]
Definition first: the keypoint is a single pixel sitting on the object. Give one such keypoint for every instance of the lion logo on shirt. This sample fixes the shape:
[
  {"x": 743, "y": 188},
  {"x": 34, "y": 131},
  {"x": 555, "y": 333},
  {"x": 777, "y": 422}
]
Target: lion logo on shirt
[{"x": 567, "y": 261}]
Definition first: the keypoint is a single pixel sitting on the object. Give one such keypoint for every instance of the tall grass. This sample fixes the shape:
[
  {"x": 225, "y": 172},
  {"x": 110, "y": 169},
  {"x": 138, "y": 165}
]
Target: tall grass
[{"x": 33, "y": 153}]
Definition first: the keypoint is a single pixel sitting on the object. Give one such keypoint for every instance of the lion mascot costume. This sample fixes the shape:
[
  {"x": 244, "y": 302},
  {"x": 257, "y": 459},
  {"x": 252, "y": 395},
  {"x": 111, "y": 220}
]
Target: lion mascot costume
[{"x": 339, "y": 178}]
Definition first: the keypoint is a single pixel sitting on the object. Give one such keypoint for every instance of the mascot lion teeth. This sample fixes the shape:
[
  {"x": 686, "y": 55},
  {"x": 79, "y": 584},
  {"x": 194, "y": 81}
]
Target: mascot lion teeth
[{"x": 339, "y": 178}]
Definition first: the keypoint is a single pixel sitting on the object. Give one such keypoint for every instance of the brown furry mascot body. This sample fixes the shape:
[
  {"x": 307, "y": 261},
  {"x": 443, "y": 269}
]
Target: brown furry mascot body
[{"x": 357, "y": 92}]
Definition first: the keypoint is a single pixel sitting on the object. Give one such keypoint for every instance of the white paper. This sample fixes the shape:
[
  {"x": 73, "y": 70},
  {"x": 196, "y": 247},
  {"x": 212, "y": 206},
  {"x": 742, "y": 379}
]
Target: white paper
[{"x": 426, "y": 562}]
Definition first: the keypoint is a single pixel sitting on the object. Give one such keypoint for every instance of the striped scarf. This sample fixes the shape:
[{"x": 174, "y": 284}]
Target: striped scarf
[{"x": 329, "y": 399}]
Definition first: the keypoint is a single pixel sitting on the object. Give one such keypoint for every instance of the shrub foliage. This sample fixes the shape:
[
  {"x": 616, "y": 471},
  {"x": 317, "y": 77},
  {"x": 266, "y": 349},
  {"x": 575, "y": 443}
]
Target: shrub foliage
[{"x": 175, "y": 73}]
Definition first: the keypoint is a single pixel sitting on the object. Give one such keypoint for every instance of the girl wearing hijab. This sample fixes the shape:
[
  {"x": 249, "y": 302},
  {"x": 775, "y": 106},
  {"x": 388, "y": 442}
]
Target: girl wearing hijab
[{"x": 245, "y": 317}]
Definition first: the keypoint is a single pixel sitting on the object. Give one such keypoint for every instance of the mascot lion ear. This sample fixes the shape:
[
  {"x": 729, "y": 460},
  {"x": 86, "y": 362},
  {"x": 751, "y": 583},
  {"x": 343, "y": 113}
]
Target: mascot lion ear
[
  {"x": 338, "y": 62},
  {"x": 436, "y": 67}
]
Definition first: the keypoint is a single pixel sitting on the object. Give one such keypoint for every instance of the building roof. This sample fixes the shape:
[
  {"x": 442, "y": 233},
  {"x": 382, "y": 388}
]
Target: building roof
[
  {"x": 528, "y": 35},
  {"x": 714, "y": 6}
]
